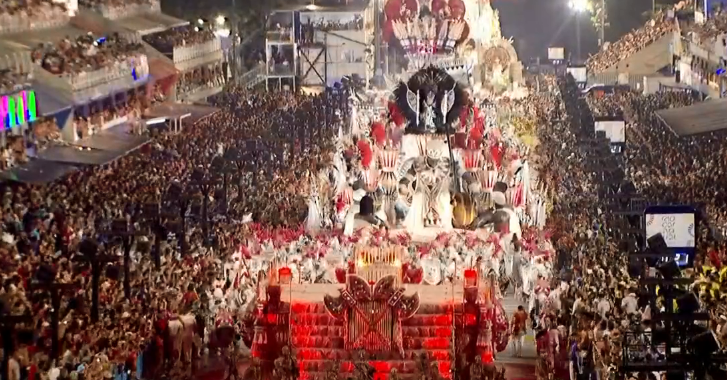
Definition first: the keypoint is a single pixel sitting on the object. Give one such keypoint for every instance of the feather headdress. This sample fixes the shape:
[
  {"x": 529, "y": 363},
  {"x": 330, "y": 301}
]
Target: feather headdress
[{"x": 446, "y": 90}]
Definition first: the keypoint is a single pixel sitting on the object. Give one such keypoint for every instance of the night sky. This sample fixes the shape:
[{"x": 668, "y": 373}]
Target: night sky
[{"x": 536, "y": 25}]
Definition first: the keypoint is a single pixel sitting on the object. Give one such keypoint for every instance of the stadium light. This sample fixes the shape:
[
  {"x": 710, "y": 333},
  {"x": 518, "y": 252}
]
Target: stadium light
[
  {"x": 223, "y": 32},
  {"x": 312, "y": 6},
  {"x": 220, "y": 20},
  {"x": 578, "y": 5}
]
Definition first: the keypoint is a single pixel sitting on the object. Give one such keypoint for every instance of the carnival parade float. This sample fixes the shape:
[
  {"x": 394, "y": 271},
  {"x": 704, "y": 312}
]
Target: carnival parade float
[{"x": 427, "y": 214}]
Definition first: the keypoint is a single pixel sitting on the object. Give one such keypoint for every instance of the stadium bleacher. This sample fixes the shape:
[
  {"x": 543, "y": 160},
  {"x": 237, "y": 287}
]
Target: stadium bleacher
[
  {"x": 696, "y": 119},
  {"x": 91, "y": 77}
]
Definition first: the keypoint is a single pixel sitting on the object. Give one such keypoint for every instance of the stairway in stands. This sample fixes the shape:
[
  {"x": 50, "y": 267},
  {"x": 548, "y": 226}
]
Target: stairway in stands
[{"x": 317, "y": 340}]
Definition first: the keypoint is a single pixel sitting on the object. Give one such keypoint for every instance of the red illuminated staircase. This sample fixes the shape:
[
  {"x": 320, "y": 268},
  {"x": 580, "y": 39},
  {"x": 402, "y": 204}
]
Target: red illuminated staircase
[{"x": 317, "y": 339}]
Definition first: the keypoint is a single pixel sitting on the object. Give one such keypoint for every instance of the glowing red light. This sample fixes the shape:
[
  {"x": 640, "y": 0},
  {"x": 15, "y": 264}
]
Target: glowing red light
[
  {"x": 470, "y": 319},
  {"x": 285, "y": 275}
]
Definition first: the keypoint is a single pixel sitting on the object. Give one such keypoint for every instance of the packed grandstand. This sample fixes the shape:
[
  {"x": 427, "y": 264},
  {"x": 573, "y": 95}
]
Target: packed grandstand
[{"x": 276, "y": 235}]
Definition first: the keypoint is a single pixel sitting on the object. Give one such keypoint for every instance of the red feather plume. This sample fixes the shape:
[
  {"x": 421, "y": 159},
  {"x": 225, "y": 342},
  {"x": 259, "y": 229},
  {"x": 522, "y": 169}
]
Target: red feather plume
[
  {"x": 378, "y": 133},
  {"x": 367, "y": 154},
  {"x": 395, "y": 114}
]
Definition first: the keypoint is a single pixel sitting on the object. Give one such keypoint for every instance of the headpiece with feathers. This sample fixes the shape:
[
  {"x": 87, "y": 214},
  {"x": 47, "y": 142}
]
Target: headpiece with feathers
[{"x": 431, "y": 80}]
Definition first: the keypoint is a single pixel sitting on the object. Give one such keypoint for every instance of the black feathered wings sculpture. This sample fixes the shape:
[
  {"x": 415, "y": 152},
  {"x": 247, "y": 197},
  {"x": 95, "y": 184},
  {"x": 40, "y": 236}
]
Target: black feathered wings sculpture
[{"x": 431, "y": 100}]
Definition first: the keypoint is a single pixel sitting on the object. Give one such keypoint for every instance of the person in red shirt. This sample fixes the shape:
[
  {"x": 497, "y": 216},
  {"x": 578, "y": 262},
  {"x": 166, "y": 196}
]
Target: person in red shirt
[
  {"x": 714, "y": 259},
  {"x": 519, "y": 329}
]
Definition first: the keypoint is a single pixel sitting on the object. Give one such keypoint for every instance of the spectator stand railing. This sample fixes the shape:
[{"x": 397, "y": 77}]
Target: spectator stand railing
[
  {"x": 703, "y": 49},
  {"x": 115, "y": 13},
  {"x": 252, "y": 77},
  {"x": 20, "y": 64},
  {"x": 635, "y": 81},
  {"x": 14, "y": 24},
  {"x": 284, "y": 35},
  {"x": 186, "y": 53},
  {"x": 121, "y": 75}
]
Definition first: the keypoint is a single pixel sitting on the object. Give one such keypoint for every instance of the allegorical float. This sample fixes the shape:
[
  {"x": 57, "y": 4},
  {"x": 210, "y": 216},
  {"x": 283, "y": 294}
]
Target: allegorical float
[
  {"x": 426, "y": 216},
  {"x": 462, "y": 37}
]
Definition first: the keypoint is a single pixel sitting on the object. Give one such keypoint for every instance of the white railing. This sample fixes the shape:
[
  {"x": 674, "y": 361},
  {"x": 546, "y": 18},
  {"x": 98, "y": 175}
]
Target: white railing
[
  {"x": 189, "y": 52},
  {"x": 211, "y": 58},
  {"x": 252, "y": 76},
  {"x": 20, "y": 62},
  {"x": 115, "y": 13},
  {"x": 93, "y": 84},
  {"x": 15, "y": 24},
  {"x": 444, "y": 62}
]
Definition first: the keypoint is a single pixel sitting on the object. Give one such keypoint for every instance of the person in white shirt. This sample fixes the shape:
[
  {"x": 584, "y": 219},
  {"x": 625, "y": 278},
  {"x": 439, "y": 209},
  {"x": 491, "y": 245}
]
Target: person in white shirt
[
  {"x": 13, "y": 369},
  {"x": 603, "y": 306},
  {"x": 630, "y": 304}
]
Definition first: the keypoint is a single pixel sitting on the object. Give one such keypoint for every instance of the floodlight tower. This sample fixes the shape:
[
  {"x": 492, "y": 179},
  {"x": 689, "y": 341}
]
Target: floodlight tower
[{"x": 578, "y": 7}]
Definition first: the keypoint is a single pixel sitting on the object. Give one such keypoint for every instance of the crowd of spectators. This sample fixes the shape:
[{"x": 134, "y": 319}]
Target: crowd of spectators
[
  {"x": 133, "y": 108},
  {"x": 667, "y": 167},
  {"x": 707, "y": 31},
  {"x": 181, "y": 36},
  {"x": 630, "y": 43},
  {"x": 354, "y": 24},
  {"x": 44, "y": 225},
  {"x": 600, "y": 301},
  {"x": 85, "y": 53},
  {"x": 281, "y": 60},
  {"x": 12, "y": 80},
  {"x": 18, "y": 16},
  {"x": 116, "y": 6},
  {"x": 200, "y": 78}
]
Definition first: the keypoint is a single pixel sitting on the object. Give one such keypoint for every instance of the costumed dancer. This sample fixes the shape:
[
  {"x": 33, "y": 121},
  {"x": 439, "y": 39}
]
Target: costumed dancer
[
  {"x": 543, "y": 366},
  {"x": 519, "y": 329}
]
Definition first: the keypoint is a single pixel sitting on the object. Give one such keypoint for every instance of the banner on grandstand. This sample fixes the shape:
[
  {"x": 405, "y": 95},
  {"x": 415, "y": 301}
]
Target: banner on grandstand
[
  {"x": 556, "y": 53},
  {"x": 579, "y": 73},
  {"x": 615, "y": 130}
]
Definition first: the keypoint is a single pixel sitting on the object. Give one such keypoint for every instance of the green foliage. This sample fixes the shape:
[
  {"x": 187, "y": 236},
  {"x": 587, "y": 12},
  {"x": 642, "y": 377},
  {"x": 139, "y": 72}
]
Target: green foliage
[{"x": 595, "y": 9}]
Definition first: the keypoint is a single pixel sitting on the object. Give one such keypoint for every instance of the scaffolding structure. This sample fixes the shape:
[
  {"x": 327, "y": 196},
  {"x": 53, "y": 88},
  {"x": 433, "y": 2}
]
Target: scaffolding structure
[{"x": 280, "y": 38}]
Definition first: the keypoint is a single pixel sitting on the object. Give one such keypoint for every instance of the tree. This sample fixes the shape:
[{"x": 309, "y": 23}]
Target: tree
[{"x": 599, "y": 18}]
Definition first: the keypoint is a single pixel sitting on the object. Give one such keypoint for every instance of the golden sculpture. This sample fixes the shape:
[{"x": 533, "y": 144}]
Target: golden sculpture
[{"x": 464, "y": 210}]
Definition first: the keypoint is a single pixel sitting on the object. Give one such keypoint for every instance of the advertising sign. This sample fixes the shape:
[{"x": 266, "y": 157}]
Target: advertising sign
[
  {"x": 18, "y": 109},
  {"x": 556, "y": 53}
]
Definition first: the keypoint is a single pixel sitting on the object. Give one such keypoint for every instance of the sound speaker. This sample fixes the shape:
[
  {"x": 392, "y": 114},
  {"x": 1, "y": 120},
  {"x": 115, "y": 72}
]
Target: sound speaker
[
  {"x": 657, "y": 243},
  {"x": 704, "y": 344},
  {"x": 688, "y": 303},
  {"x": 45, "y": 274},
  {"x": 669, "y": 269},
  {"x": 88, "y": 247}
]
